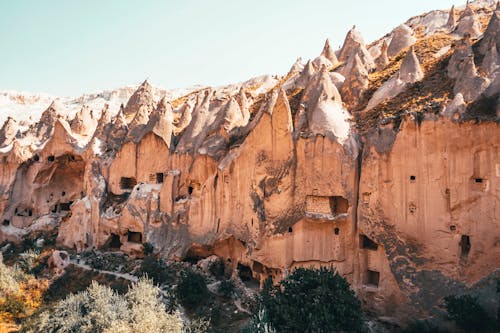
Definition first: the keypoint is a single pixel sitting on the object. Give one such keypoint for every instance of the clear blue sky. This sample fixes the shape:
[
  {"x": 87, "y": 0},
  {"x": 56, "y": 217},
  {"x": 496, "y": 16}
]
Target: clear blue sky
[{"x": 67, "y": 47}]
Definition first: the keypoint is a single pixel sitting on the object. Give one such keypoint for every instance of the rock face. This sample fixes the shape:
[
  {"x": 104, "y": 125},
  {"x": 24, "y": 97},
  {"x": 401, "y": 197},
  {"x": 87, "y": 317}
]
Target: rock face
[{"x": 271, "y": 174}]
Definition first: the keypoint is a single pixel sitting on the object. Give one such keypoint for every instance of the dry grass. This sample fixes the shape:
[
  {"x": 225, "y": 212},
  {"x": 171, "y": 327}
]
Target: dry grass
[{"x": 424, "y": 96}]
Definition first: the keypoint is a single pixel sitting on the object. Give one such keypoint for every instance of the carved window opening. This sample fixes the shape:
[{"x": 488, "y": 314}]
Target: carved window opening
[
  {"x": 367, "y": 243},
  {"x": 159, "y": 177},
  {"x": 127, "y": 183},
  {"x": 336, "y": 231},
  {"x": 412, "y": 179},
  {"x": 65, "y": 206},
  {"x": 290, "y": 229},
  {"x": 51, "y": 158},
  {"x": 245, "y": 273},
  {"x": 63, "y": 194},
  {"x": 114, "y": 241},
  {"x": 190, "y": 190},
  {"x": 478, "y": 180},
  {"x": 339, "y": 205},
  {"x": 331, "y": 205},
  {"x": 453, "y": 228},
  {"x": 36, "y": 158},
  {"x": 465, "y": 245},
  {"x": 258, "y": 267},
  {"x": 134, "y": 237},
  {"x": 372, "y": 278},
  {"x": 6, "y": 222}
]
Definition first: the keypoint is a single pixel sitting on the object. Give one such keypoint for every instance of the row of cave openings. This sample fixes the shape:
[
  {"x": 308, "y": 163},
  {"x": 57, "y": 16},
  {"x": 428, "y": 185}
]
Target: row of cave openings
[
  {"x": 114, "y": 240},
  {"x": 128, "y": 183}
]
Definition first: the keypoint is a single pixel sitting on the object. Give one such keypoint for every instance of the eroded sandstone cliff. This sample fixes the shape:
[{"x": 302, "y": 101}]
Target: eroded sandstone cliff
[{"x": 381, "y": 160}]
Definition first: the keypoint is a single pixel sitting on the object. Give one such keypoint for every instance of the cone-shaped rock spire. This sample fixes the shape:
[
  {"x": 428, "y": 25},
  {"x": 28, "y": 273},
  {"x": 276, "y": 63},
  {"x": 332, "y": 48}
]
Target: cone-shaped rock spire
[
  {"x": 491, "y": 36},
  {"x": 402, "y": 37},
  {"x": 469, "y": 83},
  {"x": 324, "y": 112},
  {"x": 142, "y": 98},
  {"x": 355, "y": 84},
  {"x": 468, "y": 23},
  {"x": 462, "y": 50},
  {"x": 410, "y": 70},
  {"x": 382, "y": 60},
  {"x": 452, "y": 19},
  {"x": 328, "y": 53}
]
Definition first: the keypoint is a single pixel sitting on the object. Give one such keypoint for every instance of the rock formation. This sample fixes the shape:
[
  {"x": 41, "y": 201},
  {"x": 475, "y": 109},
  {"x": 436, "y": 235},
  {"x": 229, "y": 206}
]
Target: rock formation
[
  {"x": 410, "y": 70},
  {"x": 328, "y": 53},
  {"x": 402, "y": 37},
  {"x": 275, "y": 173},
  {"x": 383, "y": 59},
  {"x": 468, "y": 23},
  {"x": 355, "y": 85},
  {"x": 451, "y": 24}
]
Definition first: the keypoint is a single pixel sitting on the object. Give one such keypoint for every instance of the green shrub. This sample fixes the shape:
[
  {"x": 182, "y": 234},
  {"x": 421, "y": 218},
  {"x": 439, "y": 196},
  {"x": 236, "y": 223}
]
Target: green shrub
[
  {"x": 157, "y": 270},
  {"x": 28, "y": 260},
  {"x": 467, "y": 313},
  {"x": 192, "y": 290},
  {"x": 312, "y": 300},
  {"x": 217, "y": 268},
  {"x": 259, "y": 323},
  {"x": 226, "y": 288},
  {"x": 148, "y": 248}
]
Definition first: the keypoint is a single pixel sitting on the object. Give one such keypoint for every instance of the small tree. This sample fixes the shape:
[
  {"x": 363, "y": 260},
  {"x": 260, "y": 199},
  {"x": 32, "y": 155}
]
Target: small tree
[
  {"x": 312, "y": 300},
  {"x": 192, "y": 289},
  {"x": 466, "y": 311},
  {"x": 157, "y": 270},
  {"x": 99, "y": 309}
]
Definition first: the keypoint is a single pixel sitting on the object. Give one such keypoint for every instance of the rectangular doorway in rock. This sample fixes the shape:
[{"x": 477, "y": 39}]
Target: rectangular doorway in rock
[
  {"x": 127, "y": 183},
  {"x": 134, "y": 237},
  {"x": 464, "y": 246},
  {"x": 159, "y": 178},
  {"x": 372, "y": 278},
  {"x": 114, "y": 241},
  {"x": 331, "y": 205}
]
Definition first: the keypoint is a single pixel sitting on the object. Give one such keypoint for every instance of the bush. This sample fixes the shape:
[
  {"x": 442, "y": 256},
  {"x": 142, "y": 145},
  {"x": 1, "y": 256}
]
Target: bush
[
  {"x": 192, "y": 290},
  {"x": 312, "y": 300},
  {"x": 157, "y": 270},
  {"x": 226, "y": 288},
  {"x": 28, "y": 260},
  {"x": 99, "y": 309},
  {"x": 217, "y": 268},
  {"x": 259, "y": 323},
  {"x": 148, "y": 248},
  {"x": 467, "y": 313}
]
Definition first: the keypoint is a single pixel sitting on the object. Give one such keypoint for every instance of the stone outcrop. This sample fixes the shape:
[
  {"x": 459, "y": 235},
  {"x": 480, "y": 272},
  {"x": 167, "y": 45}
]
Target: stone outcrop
[
  {"x": 468, "y": 23},
  {"x": 328, "y": 53},
  {"x": 355, "y": 85},
  {"x": 410, "y": 70},
  {"x": 276, "y": 173},
  {"x": 451, "y": 24},
  {"x": 469, "y": 83},
  {"x": 462, "y": 50},
  {"x": 383, "y": 59},
  {"x": 402, "y": 37}
]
